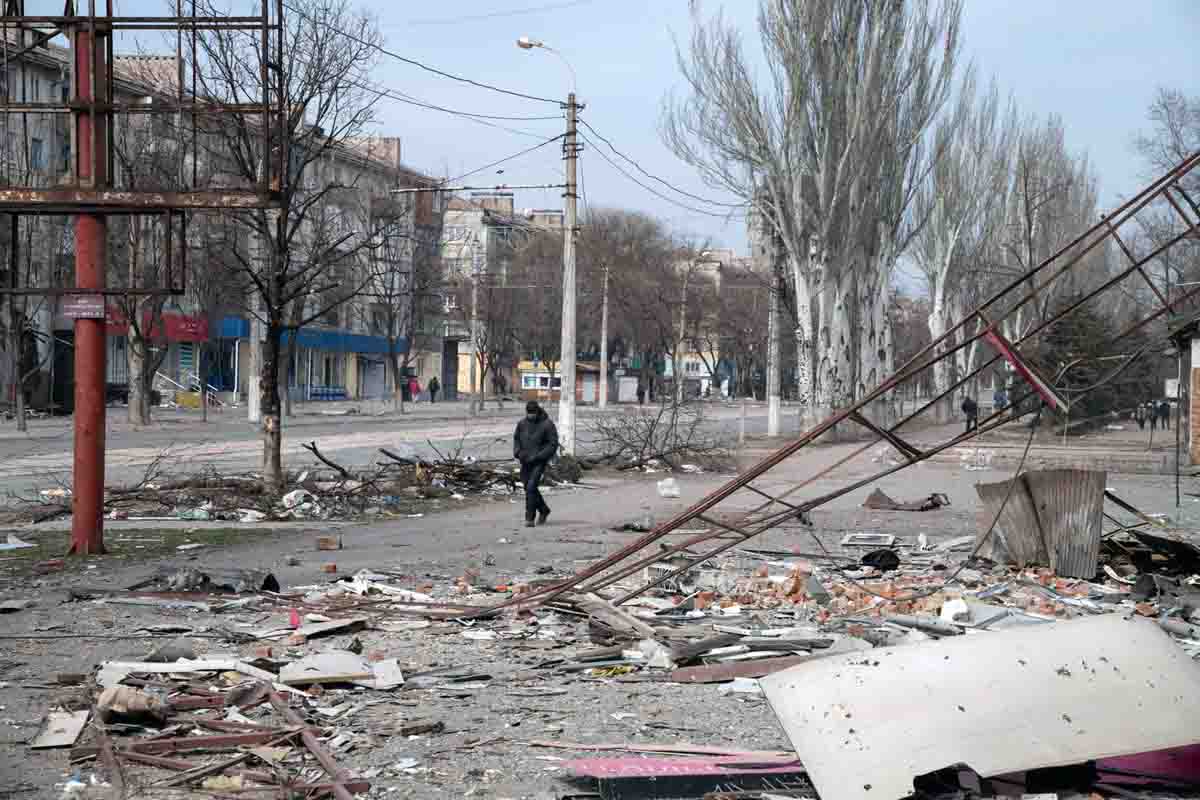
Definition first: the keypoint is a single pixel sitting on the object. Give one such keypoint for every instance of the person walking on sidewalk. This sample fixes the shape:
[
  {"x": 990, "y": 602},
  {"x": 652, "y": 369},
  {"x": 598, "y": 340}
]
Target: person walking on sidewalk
[
  {"x": 971, "y": 409},
  {"x": 434, "y": 385},
  {"x": 1164, "y": 414},
  {"x": 535, "y": 442}
]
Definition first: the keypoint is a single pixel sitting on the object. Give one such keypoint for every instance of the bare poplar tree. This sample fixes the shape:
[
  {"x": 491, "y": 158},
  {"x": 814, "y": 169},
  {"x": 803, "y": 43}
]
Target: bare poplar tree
[
  {"x": 825, "y": 148},
  {"x": 294, "y": 269},
  {"x": 959, "y": 202}
]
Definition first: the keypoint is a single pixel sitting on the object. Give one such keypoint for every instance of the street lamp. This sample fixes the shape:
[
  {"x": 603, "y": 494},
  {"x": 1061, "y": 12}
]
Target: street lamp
[{"x": 566, "y": 394}]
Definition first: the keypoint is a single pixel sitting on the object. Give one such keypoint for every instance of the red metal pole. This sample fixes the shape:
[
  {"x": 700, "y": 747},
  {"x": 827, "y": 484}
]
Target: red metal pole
[{"x": 87, "y": 522}]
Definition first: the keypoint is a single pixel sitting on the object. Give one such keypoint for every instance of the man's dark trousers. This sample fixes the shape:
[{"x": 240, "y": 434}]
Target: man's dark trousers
[{"x": 531, "y": 476}]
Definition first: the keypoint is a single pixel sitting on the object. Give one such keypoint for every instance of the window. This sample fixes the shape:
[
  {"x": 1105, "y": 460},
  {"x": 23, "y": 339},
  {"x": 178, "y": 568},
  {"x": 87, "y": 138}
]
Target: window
[
  {"x": 37, "y": 154},
  {"x": 529, "y": 381}
]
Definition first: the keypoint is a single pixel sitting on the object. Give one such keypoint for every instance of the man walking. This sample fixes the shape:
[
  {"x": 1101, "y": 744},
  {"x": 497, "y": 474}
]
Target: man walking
[
  {"x": 535, "y": 442},
  {"x": 434, "y": 385},
  {"x": 971, "y": 409},
  {"x": 1164, "y": 414}
]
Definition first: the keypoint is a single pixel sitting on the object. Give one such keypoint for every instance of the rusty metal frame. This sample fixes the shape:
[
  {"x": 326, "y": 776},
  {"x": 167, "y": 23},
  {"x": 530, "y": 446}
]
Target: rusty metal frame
[
  {"x": 999, "y": 307},
  {"x": 98, "y": 196}
]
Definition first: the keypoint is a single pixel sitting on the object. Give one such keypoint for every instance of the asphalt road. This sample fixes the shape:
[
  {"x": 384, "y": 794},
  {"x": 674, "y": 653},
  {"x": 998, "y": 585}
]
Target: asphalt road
[{"x": 230, "y": 444}]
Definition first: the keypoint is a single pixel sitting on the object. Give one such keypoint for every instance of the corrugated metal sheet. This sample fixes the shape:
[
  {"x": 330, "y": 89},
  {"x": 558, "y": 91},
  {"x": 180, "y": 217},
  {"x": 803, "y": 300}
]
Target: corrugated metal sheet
[
  {"x": 1070, "y": 506},
  {"x": 1052, "y": 518},
  {"x": 865, "y": 724},
  {"x": 1017, "y": 538}
]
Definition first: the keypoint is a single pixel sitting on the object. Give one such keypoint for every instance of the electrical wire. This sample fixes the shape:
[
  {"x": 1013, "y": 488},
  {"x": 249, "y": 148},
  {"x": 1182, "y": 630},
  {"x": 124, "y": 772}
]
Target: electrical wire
[
  {"x": 481, "y": 119},
  {"x": 640, "y": 169},
  {"x": 653, "y": 191},
  {"x": 506, "y": 159},
  {"x": 497, "y": 14},
  {"x": 413, "y": 62}
]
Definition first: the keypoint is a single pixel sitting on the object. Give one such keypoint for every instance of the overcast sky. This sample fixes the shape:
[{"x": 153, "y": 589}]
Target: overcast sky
[{"x": 1097, "y": 63}]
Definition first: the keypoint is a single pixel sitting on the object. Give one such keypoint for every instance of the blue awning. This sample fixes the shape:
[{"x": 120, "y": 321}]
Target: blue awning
[{"x": 333, "y": 341}]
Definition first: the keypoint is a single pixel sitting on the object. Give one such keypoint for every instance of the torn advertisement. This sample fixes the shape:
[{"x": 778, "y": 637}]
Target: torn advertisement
[{"x": 1068, "y": 693}]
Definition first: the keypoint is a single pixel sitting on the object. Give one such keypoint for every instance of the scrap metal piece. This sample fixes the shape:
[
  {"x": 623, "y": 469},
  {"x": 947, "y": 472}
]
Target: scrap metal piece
[
  {"x": 1044, "y": 696},
  {"x": 1051, "y": 517}
]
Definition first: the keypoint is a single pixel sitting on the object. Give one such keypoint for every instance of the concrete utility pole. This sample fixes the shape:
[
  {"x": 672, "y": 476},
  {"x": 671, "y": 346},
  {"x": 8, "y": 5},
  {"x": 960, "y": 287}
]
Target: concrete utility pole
[
  {"x": 678, "y": 365},
  {"x": 566, "y": 394},
  {"x": 604, "y": 342},
  {"x": 566, "y": 364}
]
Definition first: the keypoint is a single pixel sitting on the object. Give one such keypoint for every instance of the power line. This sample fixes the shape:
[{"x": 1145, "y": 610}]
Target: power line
[
  {"x": 415, "y": 63},
  {"x": 639, "y": 168},
  {"x": 515, "y": 12},
  {"x": 506, "y": 159},
  {"x": 651, "y": 190},
  {"x": 405, "y": 98},
  {"x": 481, "y": 119}
]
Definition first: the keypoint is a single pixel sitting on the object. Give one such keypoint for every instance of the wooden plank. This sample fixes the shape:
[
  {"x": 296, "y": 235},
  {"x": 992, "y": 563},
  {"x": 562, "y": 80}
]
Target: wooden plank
[
  {"x": 719, "y": 673},
  {"x": 61, "y": 729}
]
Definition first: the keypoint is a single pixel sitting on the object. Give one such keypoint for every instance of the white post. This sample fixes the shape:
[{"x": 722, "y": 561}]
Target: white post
[
  {"x": 254, "y": 375},
  {"x": 604, "y": 342},
  {"x": 774, "y": 329},
  {"x": 566, "y": 395}
]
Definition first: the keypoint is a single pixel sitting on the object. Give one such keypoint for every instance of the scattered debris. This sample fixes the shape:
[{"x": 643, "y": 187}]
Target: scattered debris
[
  {"x": 1049, "y": 517},
  {"x": 880, "y": 501},
  {"x": 61, "y": 729},
  {"x": 1067, "y": 690}
]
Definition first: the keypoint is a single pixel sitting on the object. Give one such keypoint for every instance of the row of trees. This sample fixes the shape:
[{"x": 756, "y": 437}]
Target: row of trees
[{"x": 868, "y": 143}]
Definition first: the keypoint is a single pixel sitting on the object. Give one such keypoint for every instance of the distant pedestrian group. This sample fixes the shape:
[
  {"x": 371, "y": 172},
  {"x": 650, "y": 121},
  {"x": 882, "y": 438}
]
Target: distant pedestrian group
[{"x": 1154, "y": 414}]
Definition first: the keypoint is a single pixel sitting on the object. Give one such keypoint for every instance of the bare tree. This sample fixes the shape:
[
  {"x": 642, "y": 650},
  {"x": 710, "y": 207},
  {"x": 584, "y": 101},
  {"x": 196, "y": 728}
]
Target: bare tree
[
  {"x": 959, "y": 202},
  {"x": 828, "y": 148},
  {"x": 406, "y": 291},
  {"x": 293, "y": 257}
]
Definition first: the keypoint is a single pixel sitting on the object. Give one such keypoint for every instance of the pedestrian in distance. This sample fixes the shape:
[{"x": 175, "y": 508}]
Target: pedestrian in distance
[
  {"x": 1164, "y": 414},
  {"x": 535, "y": 442},
  {"x": 434, "y": 385},
  {"x": 1139, "y": 416},
  {"x": 1152, "y": 415},
  {"x": 414, "y": 388},
  {"x": 641, "y": 394},
  {"x": 971, "y": 409}
]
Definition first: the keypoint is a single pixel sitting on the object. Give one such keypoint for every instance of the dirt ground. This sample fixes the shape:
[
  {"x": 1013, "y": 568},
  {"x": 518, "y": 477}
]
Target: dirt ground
[{"x": 484, "y": 748}]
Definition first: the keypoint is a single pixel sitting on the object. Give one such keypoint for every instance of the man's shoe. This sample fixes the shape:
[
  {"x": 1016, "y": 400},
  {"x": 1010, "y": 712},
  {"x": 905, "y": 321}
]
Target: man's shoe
[
  {"x": 541, "y": 520},
  {"x": 528, "y": 523}
]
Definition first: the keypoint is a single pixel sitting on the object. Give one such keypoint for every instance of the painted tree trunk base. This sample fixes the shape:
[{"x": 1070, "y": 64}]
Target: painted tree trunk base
[{"x": 272, "y": 432}]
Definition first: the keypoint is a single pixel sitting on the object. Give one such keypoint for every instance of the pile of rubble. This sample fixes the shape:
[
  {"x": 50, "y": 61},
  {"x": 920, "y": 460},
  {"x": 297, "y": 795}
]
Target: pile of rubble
[
  {"x": 855, "y": 653},
  {"x": 400, "y": 486}
]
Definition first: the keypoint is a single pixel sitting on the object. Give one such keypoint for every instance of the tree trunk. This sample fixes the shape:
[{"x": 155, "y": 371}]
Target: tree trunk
[
  {"x": 136, "y": 359},
  {"x": 15, "y": 336},
  {"x": 283, "y": 374},
  {"x": 835, "y": 372},
  {"x": 272, "y": 423},
  {"x": 875, "y": 349},
  {"x": 398, "y": 387},
  {"x": 942, "y": 370}
]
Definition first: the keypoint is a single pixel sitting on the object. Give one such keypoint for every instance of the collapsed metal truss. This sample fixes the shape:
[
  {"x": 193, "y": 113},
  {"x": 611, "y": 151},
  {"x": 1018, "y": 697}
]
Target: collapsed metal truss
[{"x": 982, "y": 323}]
